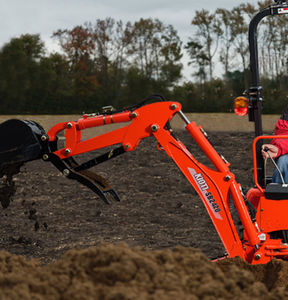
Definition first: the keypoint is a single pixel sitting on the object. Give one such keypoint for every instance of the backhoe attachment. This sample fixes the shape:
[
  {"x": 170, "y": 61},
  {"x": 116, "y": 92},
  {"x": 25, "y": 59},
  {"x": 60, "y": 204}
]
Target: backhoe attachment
[
  {"x": 23, "y": 141},
  {"x": 28, "y": 141},
  {"x": 215, "y": 186}
]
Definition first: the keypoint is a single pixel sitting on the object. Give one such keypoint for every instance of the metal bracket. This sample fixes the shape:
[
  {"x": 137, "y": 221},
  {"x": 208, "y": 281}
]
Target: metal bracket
[
  {"x": 255, "y": 93},
  {"x": 255, "y": 96},
  {"x": 95, "y": 182},
  {"x": 67, "y": 167}
]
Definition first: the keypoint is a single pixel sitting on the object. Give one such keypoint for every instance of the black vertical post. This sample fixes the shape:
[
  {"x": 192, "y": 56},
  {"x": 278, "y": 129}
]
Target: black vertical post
[{"x": 255, "y": 91}]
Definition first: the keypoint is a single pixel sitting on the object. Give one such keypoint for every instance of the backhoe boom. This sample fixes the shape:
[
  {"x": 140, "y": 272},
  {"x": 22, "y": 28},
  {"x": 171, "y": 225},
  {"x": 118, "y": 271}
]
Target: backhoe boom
[{"x": 215, "y": 187}]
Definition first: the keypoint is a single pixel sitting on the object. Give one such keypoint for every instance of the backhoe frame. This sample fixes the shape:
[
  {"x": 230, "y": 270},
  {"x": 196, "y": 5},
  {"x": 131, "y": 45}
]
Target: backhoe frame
[{"x": 214, "y": 186}]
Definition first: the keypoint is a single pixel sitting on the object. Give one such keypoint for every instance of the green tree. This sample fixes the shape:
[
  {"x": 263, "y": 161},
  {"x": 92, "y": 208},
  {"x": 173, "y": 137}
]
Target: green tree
[
  {"x": 19, "y": 73},
  {"x": 54, "y": 87},
  {"x": 171, "y": 55},
  {"x": 199, "y": 59},
  {"x": 156, "y": 50}
]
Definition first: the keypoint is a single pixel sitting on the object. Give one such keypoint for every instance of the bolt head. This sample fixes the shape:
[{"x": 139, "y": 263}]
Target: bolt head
[
  {"x": 127, "y": 146},
  {"x": 69, "y": 125},
  {"x": 45, "y": 156},
  {"x": 257, "y": 256},
  {"x": 67, "y": 151},
  {"x": 227, "y": 178},
  {"x": 43, "y": 138},
  {"x": 154, "y": 127},
  {"x": 66, "y": 172},
  {"x": 173, "y": 106},
  {"x": 134, "y": 115}
]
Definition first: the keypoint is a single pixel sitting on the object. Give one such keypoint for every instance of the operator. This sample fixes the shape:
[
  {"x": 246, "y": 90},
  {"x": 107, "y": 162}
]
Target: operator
[{"x": 278, "y": 148}]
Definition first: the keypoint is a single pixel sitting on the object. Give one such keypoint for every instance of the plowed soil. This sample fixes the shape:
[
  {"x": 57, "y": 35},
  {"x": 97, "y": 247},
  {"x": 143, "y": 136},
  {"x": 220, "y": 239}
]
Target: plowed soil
[{"x": 156, "y": 243}]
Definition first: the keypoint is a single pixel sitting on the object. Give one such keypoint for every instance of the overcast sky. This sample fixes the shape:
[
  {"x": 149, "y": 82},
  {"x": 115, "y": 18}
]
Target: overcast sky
[{"x": 46, "y": 16}]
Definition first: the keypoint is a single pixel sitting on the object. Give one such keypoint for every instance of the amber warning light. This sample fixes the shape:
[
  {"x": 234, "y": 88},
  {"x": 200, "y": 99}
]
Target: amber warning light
[{"x": 241, "y": 106}]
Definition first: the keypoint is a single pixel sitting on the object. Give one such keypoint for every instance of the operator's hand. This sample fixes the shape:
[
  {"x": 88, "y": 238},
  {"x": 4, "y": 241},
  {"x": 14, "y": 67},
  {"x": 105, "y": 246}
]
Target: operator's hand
[{"x": 273, "y": 150}]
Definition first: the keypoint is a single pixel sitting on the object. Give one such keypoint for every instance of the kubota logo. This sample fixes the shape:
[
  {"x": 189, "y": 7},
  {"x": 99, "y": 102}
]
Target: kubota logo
[
  {"x": 208, "y": 196},
  {"x": 201, "y": 182}
]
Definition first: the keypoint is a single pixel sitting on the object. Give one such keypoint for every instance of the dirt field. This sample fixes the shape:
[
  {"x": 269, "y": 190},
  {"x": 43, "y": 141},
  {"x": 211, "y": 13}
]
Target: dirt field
[
  {"x": 211, "y": 122},
  {"x": 158, "y": 211}
]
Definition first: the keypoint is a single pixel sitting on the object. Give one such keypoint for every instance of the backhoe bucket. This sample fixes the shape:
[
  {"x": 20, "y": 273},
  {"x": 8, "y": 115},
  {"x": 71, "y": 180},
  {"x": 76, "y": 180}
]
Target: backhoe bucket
[{"x": 20, "y": 141}]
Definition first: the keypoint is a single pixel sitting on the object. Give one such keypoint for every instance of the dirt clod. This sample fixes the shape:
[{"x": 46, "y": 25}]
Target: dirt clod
[{"x": 7, "y": 185}]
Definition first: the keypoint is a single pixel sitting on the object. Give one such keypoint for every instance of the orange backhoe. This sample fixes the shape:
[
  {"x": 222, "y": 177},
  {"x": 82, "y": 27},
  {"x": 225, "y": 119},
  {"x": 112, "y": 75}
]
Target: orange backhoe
[{"x": 262, "y": 211}]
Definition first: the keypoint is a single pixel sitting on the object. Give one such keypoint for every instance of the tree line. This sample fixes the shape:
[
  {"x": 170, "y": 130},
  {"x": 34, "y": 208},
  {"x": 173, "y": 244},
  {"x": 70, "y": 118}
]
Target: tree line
[{"x": 111, "y": 63}]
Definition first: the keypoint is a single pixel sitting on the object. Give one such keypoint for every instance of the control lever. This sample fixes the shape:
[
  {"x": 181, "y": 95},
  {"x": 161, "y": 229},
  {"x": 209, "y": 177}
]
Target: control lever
[{"x": 273, "y": 161}]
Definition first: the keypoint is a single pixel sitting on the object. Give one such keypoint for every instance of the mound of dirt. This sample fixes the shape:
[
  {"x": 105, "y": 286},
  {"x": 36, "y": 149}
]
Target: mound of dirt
[{"x": 121, "y": 272}]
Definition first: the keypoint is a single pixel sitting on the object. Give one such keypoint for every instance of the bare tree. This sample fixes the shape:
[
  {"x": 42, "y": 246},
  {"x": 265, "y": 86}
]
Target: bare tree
[
  {"x": 156, "y": 50},
  {"x": 227, "y": 37},
  {"x": 208, "y": 32}
]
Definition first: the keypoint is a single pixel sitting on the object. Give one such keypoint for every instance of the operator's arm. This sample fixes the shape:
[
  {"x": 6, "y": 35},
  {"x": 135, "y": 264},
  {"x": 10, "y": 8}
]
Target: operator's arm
[{"x": 279, "y": 147}]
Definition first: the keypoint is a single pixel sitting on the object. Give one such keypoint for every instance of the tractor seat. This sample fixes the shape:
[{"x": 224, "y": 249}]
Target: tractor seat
[{"x": 276, "y": 191}]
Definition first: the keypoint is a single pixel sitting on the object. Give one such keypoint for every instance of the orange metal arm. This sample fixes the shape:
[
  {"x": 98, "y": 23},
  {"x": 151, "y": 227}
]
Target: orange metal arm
[
  {"x": 225, "y": 175},
  {"x": 213, "y": 186},
  {"x": 210, "y": 186},
  {"x": 129, "y": 135}
]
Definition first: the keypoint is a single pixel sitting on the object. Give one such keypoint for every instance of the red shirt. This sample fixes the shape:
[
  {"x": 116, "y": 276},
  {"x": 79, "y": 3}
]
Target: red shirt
[{"x": 281, "y": 129}]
